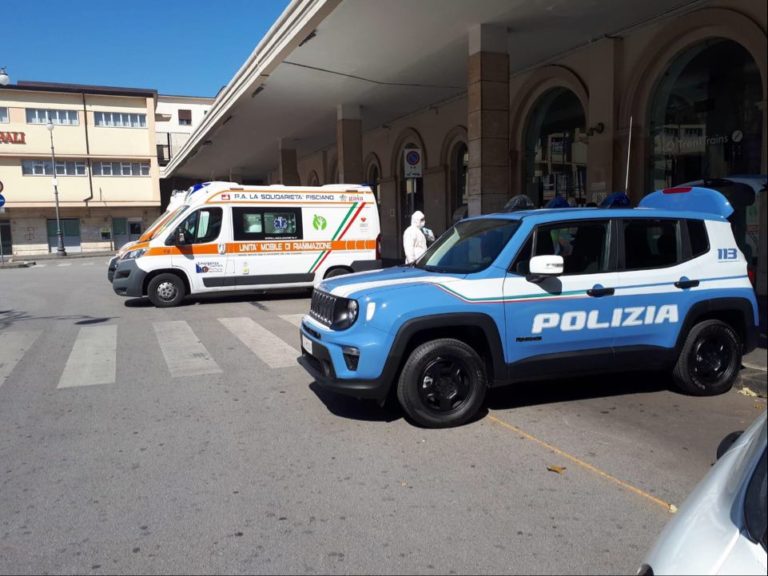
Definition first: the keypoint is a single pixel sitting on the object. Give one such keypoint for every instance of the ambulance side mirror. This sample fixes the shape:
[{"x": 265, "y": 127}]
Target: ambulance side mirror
[
  {"x": 542, "y": 267},
  {"x": 178, "y": 238}
]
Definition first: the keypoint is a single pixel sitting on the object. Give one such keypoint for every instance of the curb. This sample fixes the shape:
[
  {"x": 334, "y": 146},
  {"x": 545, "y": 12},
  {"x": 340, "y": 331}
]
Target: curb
[{"x": 24, "y": 264}]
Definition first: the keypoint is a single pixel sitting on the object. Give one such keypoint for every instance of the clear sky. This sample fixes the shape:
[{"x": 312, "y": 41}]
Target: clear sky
[{"x": 182, "y": 47}]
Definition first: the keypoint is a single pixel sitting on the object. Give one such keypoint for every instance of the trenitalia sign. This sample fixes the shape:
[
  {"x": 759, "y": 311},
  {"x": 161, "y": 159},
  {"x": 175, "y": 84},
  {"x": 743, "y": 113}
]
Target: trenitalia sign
[{"x": 13, "y": 138}]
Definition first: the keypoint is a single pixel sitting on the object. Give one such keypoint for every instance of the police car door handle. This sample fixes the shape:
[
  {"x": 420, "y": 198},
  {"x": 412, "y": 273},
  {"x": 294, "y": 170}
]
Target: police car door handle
[
  {"x": 686, "y": 283},
  {"x": 600, "y": 291}
]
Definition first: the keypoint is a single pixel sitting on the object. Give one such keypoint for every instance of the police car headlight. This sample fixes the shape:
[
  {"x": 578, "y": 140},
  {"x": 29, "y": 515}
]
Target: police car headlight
[
  {"x": 346, "y": 314},
  {"x": 352, "y": 309},
  {"x": 131, "y": 254}
]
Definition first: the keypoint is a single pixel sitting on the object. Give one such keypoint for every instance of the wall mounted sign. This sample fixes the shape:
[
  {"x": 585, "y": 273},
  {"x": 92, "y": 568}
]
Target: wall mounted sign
[{"x": 13, "y": 138}]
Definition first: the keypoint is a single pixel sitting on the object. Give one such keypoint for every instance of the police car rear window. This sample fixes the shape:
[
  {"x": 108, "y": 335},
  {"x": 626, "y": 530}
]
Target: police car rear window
[
  {"x": 697, "y": 232},
  {"x": 651, "y": 243}
]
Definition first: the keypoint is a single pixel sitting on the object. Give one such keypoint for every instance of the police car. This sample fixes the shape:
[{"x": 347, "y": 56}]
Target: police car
[{"x": 539, "y": 294}]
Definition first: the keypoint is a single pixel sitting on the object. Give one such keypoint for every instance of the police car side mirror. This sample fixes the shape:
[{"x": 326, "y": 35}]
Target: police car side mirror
[{"x": 542, "y": 267}]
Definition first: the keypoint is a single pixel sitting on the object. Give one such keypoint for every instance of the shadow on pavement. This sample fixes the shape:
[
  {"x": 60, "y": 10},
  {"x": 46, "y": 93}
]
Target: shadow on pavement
[
  {"x": 10, "y": 317},
  {"x": 88, "y": 321},
  {"x": 512, "y": 396},
  {"x": 582, "y": 388},
  {"x": 354, "y": 409},
  {"x": 138, "y": 303}
]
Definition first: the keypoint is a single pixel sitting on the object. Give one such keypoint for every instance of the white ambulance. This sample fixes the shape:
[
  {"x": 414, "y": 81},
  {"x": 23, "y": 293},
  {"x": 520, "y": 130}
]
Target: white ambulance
[{"x": 226, "y": 237}]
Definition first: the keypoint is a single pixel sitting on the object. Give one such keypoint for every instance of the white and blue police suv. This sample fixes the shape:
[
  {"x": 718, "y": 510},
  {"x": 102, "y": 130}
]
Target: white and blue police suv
[{"x": 541, "y": 294}]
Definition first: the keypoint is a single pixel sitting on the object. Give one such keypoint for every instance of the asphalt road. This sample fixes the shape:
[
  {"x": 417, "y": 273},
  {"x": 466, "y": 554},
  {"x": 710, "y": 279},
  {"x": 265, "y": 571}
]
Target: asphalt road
[{"x": 117, "y": 457}]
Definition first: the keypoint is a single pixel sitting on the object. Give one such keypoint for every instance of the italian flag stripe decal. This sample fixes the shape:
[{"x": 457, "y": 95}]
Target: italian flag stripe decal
[{"x": 324, "y": 254}]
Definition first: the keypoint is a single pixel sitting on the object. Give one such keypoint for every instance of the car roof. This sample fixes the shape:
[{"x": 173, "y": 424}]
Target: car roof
[{"x": 545, "y": 215}]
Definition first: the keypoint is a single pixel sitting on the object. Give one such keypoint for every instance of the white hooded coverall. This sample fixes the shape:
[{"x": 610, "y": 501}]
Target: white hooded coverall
[{"x": 414, "y": 241}]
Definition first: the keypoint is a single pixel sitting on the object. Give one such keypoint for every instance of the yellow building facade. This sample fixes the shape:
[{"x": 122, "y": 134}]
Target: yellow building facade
[{"x": 106, "y": 169}]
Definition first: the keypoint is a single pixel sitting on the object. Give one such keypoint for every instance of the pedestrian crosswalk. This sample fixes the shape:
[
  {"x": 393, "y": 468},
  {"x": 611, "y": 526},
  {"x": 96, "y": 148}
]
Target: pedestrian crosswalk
[
  {"x": 183, "y": 352},
  {"x": 271, "y": 349},
  {"x": 13, "y": 346},
  {"x": 92, "y": 358}
]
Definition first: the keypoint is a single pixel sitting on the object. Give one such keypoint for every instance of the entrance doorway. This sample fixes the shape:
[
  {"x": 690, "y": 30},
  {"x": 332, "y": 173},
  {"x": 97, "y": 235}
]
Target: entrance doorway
[
  {"x": 126, "y": 230},
  {"x": 70, "y": 227},
  {"x": 6, "y": 245}
]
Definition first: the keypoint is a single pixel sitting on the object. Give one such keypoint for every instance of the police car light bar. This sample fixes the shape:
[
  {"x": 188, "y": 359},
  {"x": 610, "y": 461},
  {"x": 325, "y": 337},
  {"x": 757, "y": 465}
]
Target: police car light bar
[
  {"x": 679, "y": 190},
  {"x": 689, "y": 199}
]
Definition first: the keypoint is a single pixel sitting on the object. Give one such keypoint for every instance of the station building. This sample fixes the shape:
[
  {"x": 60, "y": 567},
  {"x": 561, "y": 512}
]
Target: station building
[{"x": 498, "y": 98}]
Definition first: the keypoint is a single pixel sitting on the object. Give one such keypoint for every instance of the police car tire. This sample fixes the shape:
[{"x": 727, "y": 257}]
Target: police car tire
[
  {"x": 408, "y": 383},
  {"x": 159, "y": 280},
  {"x": 687, "y": 380}
]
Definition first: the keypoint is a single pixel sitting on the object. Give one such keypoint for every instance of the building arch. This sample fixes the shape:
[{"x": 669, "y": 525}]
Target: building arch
[
  {"x": 313, "y": 179},
  {"x": 372, "y": 174},
  {"x": 454, "y": 156},
  {"x": 538, "y": 84},
  {"x": 408, "y": 138},
  {"x": 667, "y": 45}
]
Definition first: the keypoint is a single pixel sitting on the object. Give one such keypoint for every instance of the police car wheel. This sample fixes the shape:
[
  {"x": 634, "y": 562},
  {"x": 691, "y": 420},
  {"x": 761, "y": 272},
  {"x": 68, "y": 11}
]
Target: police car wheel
[
  {"x": 442, "y": 384},
  {"x": 710, "y": 359},
  {"x": 166, "y": 290}
]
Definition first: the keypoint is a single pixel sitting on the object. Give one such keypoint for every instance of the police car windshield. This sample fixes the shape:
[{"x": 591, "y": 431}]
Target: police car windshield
[
  {"x": 470, "y": 246},
  {"x": 171, "y": 217}
]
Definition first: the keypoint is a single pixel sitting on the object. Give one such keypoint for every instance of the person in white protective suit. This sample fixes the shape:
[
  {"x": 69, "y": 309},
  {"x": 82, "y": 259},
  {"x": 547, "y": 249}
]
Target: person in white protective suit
[{"x": 414, "y": 240}]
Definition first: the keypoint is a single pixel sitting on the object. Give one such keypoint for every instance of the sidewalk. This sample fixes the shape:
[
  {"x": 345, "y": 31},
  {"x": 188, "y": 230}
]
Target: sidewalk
[{"x": 22, "y": 262}]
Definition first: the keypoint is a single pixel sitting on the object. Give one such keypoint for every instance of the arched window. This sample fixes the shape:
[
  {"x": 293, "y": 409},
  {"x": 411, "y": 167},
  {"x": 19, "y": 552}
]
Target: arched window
[
  {"x": 373, "y": 179},
  {"x": 459, "y": 175},
  {"x": 705, "y": 116},
  {"x": 313, "y": 179},
  {"x": 555, "y": 161}
]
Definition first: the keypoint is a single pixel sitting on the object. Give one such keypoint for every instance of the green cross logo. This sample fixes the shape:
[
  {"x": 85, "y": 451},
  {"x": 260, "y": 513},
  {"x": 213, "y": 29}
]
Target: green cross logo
[{"x": 319, "y": 223}]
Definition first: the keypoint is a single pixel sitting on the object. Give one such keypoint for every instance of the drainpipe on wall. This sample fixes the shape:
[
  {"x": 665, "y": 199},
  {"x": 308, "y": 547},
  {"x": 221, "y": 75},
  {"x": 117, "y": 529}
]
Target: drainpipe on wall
[{"x": 87, "y": 151}]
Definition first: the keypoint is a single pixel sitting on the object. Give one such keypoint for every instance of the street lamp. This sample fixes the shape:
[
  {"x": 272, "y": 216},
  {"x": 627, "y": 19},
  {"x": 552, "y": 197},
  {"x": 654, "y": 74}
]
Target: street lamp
[{"x": 60, "y": 251}]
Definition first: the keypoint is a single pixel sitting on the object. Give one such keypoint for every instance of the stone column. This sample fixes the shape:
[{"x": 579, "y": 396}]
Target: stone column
[
  {"x": 349, "y": 143},
  {"x": 488, "y": 119},
  {"x": 289, "y": 167},
  {"x": 604, "y": 172},
  {"x": 391, "y": 243}
]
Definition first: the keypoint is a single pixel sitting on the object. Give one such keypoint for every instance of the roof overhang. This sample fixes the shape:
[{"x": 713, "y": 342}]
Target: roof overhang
[{"x": 389, "y": 58}]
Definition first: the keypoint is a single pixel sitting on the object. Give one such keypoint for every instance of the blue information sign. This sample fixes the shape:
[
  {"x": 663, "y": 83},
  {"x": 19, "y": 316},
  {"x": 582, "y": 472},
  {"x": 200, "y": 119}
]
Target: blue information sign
[{"x": 2, "y": 200}]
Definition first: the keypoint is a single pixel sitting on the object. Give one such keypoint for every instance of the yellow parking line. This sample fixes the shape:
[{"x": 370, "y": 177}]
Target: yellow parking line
[{"x": 666, "y": 505}]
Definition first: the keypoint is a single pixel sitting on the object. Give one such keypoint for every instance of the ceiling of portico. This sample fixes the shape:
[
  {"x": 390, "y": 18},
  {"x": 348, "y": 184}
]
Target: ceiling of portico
[{"x": 391, "y": 58}]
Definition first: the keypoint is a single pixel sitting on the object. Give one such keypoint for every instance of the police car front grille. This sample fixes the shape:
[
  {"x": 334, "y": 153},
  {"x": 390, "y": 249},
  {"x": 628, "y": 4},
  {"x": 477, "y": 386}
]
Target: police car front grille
[{"x": 322, "y": 307}]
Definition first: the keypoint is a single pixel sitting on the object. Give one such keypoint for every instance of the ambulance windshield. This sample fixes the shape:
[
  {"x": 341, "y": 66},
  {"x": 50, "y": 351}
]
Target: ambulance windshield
[{"x": 171, "y": 217}]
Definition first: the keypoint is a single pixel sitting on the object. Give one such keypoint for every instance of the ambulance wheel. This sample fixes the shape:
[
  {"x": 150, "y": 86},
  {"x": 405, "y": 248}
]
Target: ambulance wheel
[
  {"x": 166, "y": 290},
  {"x": 442, "y": 384},
  {"x": 709, "y": 360},
  {"x": 337, "y": 272}
]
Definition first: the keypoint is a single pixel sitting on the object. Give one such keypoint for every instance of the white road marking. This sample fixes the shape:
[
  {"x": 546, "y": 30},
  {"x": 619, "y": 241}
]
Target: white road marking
[
  {"x": 13, "y": 346},
  {"x": 184, "y": 354},
  {"x": 93, "y": 359},
  {"x": 64, "y": 264},
  {"x": 39, "y": 266},
  {"x": 270, "y": 349},
  {"x": 294, "y": 319}
]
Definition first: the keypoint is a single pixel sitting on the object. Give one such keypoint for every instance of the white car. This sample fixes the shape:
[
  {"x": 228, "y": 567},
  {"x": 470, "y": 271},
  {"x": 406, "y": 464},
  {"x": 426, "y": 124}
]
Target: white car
[{"x": 721, "y": 526}]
